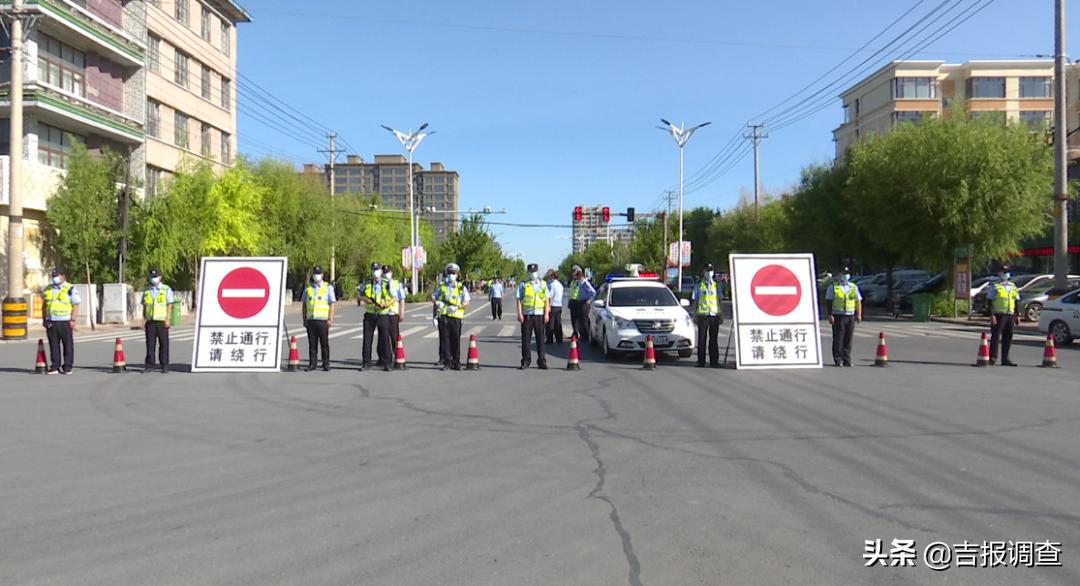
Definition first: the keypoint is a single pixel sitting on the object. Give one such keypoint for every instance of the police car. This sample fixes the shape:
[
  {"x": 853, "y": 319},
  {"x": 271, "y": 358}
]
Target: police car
[
  {"x": 1061, "y": 318},
  {"x": 626, "y": 309}
]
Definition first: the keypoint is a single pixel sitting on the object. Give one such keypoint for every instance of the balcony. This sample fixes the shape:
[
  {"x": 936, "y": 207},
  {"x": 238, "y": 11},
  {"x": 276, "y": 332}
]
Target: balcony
[
  {"x": 109, "y": 38},
  {"x": 76, "y": 113}
]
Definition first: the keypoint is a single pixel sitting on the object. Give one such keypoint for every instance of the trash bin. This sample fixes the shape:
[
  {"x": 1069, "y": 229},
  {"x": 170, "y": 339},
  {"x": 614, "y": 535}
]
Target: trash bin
[
  {"x": 174, "y": 315},
  {"x": 921, "y": 306}
]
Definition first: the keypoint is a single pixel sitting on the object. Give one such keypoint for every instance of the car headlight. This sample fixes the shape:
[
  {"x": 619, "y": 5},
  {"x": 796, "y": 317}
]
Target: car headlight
[{"x": 624, "y": 324}]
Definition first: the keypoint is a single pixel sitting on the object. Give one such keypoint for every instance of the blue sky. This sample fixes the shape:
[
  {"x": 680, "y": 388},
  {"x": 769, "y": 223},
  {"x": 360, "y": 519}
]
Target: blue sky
[{"x": 544, "y": 106}]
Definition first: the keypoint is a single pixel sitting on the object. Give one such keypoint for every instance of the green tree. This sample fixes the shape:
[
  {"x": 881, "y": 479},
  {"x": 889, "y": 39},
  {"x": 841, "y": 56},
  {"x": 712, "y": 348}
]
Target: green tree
[{"x": 81, "y": 226}]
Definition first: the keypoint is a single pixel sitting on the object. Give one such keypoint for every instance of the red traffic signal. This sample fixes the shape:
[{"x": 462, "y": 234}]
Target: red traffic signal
[
  {"x": 579, "y": 215},
  {"x": 605, "y": 214}
]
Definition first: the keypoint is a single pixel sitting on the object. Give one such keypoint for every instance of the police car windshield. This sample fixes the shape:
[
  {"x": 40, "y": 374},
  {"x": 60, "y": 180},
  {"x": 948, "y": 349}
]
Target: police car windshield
[{"x": 642, "y": 297}]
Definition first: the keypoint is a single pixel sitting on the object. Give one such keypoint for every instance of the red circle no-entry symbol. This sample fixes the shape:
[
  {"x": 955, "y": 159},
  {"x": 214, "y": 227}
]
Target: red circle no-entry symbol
[
  {"x": 776, "y": 290},
  {"x": 243, "y": 293}
]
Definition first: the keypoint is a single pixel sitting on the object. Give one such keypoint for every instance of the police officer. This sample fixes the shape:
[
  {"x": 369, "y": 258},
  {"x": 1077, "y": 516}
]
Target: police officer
[
  {"x": 495, "y": 294},
  {"x": 59, "y": 314},
  {"x": 845, "y": 301},
  {"x": 555, "y": 295},
  {"x": 1004, "y": 298},
  {"x": 375, "y": 294},
  {"x": 707, "y": 297},
  {"x": 534, "y": 310},
  {"x": 451, "y": 298},
  {"x": 396, "y": 311},
  {"x": 158, "y": 300},
  {"x": 317, "y": 304},
  {"x": 581, "y": 295}
]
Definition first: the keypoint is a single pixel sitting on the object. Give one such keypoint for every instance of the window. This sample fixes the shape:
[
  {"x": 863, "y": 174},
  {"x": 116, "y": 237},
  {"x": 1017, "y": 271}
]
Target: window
[
  {"x": 226, "y": 42},
  {"x": 204, "y": 28},
  {"x": 61, "y": 66},
  {"x": 642, "y": 297},
  {"x": 153, "y": 180},
  {"x": 1035, "y": 119},
  {"x": 986, "y": 87},
  {"x": 153, "y": 119},
  {"x": 1036, "y": 87},
  {"x": 180, "y": 74},
  {"x": 994, "y": 116},
  {"x": 54, "y": 145},
  {"x": 914, "y": 88},
  {"x": 226, "y": 93},
  {"x": 180, "y": 129},
  {"x": 226, "y": 148},
  {"x": 181, "y": 12},
  {"x": 153, "y": 53},
  {"x": 205, "y": 82},
  {"x": 910, "y": 116},
  {"x": 205, "y": 140}
]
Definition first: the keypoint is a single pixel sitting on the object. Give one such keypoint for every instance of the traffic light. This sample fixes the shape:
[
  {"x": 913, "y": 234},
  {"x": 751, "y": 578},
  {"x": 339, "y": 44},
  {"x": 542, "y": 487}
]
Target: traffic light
[
  {"x": 578, "y": 214},
  {"x": 630, "y": 215},
  {"x": 605, "y": 214}
]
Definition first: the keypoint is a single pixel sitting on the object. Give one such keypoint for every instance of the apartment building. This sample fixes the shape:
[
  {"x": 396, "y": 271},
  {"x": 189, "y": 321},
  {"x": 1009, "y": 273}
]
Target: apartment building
[
  {"x": 191, "y": 84},
  {"x": 435, "y": 189},
  {"x": 592, "y": 228},
  {"x": 907, "y": 90}
]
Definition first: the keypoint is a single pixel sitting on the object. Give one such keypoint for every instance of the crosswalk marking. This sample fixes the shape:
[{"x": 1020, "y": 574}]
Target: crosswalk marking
[
  {"x": 411, "y": 331},
  {"x": 475, "y": 330},
  {"x": 345, "y": 332},
  {"x": 506, "y": 331},
  {"x": 431, "y": 335}
]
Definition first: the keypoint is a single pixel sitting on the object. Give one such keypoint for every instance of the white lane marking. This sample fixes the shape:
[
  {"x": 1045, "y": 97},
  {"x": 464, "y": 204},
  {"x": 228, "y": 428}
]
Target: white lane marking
[
  {"x": 506, "y": 331},
  {"x": 431, "y": 335},
  {"x": 345, "y": 332},
  {"x": 775, "y": 290},
  {"x": 478, "y": 309},
  {"x": 256, "y": 293},
  {"x": 411, "y": 331},
  {"x": 473, "y": 331}
]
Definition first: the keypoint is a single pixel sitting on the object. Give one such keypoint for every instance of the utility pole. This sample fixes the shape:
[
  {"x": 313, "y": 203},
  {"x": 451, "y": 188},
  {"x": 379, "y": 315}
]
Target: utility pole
[
  {"x": 1061, "y": 154},
  {"x": 756, "y": 136},
  {"x": 14, "y": 305},
  {"x": 670, "y": 196},
  {"x": 125, "y": 199},
  {"x": 332, "y": 152}
]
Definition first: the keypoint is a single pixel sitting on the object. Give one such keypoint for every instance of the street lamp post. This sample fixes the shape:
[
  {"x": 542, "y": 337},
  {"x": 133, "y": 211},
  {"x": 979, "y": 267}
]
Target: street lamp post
[
  {"x": 682, "y": 135},
  {"x": 410, "y": 141}
]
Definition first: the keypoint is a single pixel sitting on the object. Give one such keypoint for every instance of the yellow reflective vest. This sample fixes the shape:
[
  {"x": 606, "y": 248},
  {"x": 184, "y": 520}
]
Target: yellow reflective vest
[
  {"x": 156, "y": 307},
  {"x": 58, "y": 301}
]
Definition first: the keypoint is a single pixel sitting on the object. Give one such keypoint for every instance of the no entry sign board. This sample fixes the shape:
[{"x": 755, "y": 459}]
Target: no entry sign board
[
  {"x": 238, "y": 326},
  {"x": 775, "y": 310}
]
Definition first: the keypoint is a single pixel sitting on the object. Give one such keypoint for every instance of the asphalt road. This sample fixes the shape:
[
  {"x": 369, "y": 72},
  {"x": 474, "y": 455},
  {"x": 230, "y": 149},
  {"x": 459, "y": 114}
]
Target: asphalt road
[{"x": 610, "y": 475}]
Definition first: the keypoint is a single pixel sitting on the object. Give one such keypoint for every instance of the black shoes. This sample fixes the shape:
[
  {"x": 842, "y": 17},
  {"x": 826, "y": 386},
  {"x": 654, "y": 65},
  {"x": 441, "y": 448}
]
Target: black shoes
[
  {"x": 1007, "y": 362},
  {"x": 523, "y": 366},
  {"x": 309, "y": 368},
  {"x": 847, "y": 365},
  {"x": 700, "y": 365},
  {"x": 543, "y": 366},
  {"x": 326, "y": 368}
]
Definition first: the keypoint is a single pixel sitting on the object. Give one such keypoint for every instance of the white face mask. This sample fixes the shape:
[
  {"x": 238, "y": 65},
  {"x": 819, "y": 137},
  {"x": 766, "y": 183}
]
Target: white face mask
[
  {"x": 709, "y": 275},
  {"x": 389, "y": 275},
  {"x": 377, "y": 274},
  {"x": 57, "y": 280},
  {"x": 534, "y": 275},
  {"x": 451, "y": 278},
  {"x": 155, "y": 281},
  {"x": 317, "y": 278}
]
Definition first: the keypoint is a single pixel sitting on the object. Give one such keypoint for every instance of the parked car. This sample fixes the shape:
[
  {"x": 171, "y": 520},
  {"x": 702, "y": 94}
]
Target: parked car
[
  {"x": 1060, "y": 318},
  {"x": 626, "y": 310},
  {"x": 933, "y": 285},
  {"x": 979, "y": 285},
  {"x": 1034, "y": 298},
  {"x": 874, "y": 292},
  {"x": 1024, "y": 283}
]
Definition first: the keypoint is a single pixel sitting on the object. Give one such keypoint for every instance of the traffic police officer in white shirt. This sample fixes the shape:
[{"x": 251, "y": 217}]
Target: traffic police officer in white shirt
[
  {"x": 450, "y": 299},
  {"x": 158, "y": 301},
  {"x": 397, "y": 310},
  {"x": 1004, "y": 298},
  {"x": 555, "y": 294},
  {"x": 845, "y": 302},
  {"x": 317, "y": 305},
  {"x": 59, "y": 314},
  {"x": 534, "y": 309},
  {"x": 707, "y": 297}
]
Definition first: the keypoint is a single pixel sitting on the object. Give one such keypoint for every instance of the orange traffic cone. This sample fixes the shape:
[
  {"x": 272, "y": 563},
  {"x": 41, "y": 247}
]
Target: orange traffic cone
[
  {"x": 1049, "y": 354},
  {"x": 650, "y": 354},
  {"x": 474, "y": 355},
  {"x": 119, "y": 364},
  {"x": 882, "y": 358},
  {"x": 40, "y": 367},
  {"x": 294, "y": 356},
  {"x": 574, "y": 362},
  {"x": 983, "y": 358},
  {"x": 399, "y": 355}
]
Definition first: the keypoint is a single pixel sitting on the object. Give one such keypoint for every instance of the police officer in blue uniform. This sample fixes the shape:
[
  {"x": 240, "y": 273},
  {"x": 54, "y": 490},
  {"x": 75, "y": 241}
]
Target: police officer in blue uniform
[
  {"x": 534, "y": 310},
  {"x": 59, "y": 314},
  {"x": 845, "y": 301},
  {"x": 158, "y": 301},
  {"x": 1004, "y": 299},
  {"x": 317, "y": 303}
]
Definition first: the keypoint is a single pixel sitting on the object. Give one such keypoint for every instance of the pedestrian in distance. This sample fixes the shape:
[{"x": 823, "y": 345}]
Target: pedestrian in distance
[
  {"x": 845, "y": 302},
  {"x": 158, "y": 300},
  {"x": 555, "y": 291},
  {"x": 396, "y": 311},
  {"x": 534, "y": 310},
  {"x": 317, "y": 304},
  {"x": 59, "y": 314},
  {"x": 708, "y": 316},
  {"x": 375, "y": 294},
  {"x": 1004, "y": 298},
  {"x": 450, "y": 299},
  {"x": 495, "y": 295},
  {"x": 581, "y": 296}
]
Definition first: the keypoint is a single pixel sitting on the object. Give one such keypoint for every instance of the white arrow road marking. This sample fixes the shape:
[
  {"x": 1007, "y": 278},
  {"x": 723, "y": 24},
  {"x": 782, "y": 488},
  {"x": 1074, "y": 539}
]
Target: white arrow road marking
[
  {"x": 259, "y": 293},
  {"x": 775, "y": 290}
]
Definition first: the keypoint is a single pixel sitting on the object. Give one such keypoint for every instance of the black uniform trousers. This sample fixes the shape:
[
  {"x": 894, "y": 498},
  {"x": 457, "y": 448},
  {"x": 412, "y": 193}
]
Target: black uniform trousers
[
  {"x": 450, "y": 341},
  {"x": 59, "y": 333},
  {"x": 708, "y": 330},
  {"x": 157, "y": 335},
  {"x": 496, "y": 308},
  {"x": 554, "y": 326},
  {"x": 579, "y": 318},
  {"x": 533, "y": 325},
  {"x": 318, "y": 336},
  {"x": 843, "y": 330},
  {"x": 1002, "y": 332},
  {"x": 377, "y": 325}
]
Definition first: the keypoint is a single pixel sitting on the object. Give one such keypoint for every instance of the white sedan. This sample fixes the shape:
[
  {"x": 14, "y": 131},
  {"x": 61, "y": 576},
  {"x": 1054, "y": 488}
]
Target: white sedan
[
  {"x": 1061, "y": 318},
  {"x": 626, "y": 310}
]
